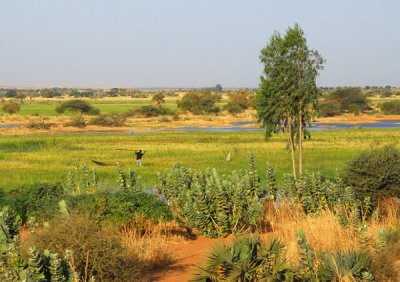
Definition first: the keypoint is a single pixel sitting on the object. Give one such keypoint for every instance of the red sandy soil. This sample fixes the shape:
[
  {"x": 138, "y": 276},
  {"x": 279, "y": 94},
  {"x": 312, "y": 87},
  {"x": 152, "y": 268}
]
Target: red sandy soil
[{"x": 189, "y": 254}]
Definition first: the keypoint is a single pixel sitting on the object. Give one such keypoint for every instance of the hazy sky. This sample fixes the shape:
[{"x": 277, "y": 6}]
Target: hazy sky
[{"x": 184, "y": 43}]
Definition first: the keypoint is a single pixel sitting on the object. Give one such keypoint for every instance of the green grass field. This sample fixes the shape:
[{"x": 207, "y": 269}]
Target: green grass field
[{"x": 49, "y": 157}]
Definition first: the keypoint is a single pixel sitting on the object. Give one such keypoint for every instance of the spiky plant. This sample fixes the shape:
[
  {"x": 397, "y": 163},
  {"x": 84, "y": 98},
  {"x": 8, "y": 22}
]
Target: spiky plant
[
  {"x": 36, "y": 265},
  {"x": 246, "y": 259},
  {"x": 345, "y": 266}
]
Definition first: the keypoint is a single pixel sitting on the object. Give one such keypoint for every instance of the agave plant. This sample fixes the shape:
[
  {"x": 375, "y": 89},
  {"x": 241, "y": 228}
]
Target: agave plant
[
  {"x": 345, "y": 266},
  {"x": 246, "y": 259}
]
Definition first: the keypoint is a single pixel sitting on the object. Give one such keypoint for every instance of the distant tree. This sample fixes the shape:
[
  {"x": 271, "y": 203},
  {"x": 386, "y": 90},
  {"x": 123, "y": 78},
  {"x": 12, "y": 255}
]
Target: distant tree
[
  {"x": 198, "y": 103},
  {"x": 367, "y": 87},
  {"x": 76, "y": 106},
  {"x": 347, "y": 96},
  {"x": 11, "y": 108},
  {"x": 288, "y": 96},
  {"x": 329, "y": 108},
  {"x": 386, "y": 94},
  {"x": 238, "y": 102},
  {"x": 218, "y": 88},
  {"x": 388, "y": 87},
  {"x": 158, "y": 99},
  {"x": 12, "y": 93}
]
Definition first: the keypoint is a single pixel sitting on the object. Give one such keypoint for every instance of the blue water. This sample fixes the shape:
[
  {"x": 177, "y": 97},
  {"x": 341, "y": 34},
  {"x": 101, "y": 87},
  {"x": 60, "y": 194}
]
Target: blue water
[
  {"x": 9, "y": 125},
  {"x": 236, "y": 127}
]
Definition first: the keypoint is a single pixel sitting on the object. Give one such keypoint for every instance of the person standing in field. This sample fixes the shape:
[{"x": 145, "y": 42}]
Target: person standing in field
[{"x": 139, "y": 154}]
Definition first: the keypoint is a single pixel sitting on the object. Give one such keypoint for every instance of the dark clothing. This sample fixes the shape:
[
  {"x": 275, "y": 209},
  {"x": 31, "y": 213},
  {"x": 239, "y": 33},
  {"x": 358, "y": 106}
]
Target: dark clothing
[{"x": 139, "y": 155}]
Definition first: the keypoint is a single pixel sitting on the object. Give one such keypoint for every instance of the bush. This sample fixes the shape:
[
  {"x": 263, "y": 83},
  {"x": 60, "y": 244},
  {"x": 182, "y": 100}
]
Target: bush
[
  {"x": 11, "y": 108},
  {"x": 113, "y": 120},
  {"x": 150, "y": 111},
  {"x": 329, "y": 108},
  {"x": 213, "y": 204},
  {"x": 37, "y": 200},
  {"x": 198, "y": 103},
  {"x": 348, "y": 96},
  {"x": 355, "y": 109},
  {"x": 119, "y": 208},
  {"x": 375, "y": 173},
  {"x": 76, "y": 121},
  {"x": 386, "y": 94},
  {"x": 239, "y": 101},
  {"x": 97, "y": 249},
  {"x": 391, "y": 107},
  {"x": 76, "y": 106}
]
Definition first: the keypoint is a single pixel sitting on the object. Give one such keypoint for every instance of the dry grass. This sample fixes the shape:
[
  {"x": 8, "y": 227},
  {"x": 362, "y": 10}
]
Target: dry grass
[
  {"x": 323, "y": 231},
  {"x": 150, "y": 243}
]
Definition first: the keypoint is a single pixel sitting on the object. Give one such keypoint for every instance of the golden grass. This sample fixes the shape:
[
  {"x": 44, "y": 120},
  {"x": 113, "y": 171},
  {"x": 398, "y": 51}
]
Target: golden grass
[
  {"x": 323, "y": 231},
  {"x": 150, "y": 244}
]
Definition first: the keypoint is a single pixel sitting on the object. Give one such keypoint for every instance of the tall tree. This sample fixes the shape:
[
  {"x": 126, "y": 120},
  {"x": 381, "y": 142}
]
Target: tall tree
[{"x": 287, "y": 97}]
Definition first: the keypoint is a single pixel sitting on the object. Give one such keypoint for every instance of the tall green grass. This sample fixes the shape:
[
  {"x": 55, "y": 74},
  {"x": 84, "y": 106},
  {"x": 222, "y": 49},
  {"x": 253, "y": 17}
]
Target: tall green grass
[{"x": 38, "y": 158}]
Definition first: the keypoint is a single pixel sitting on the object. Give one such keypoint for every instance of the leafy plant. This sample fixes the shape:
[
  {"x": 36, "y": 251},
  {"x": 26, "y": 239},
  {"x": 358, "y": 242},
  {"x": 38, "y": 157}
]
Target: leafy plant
[
  {"x": 216, "y": 205},
  {"x": 246, "y": 259}
]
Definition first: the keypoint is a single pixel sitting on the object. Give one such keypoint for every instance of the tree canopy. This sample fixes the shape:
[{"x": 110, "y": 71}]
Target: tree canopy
[{"x": 287, "y": 97}]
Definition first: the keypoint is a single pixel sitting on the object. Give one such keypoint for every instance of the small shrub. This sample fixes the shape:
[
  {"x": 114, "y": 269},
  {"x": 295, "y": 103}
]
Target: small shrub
[
  {"x": 198, "y": 103},
  {"x": 114, "y": 120},
  {"x": 11, "y": 108},
  {"x": 150, "y": 111},
  {"x": 76, "y": 121},
  {"x": 375, "y": 173}
]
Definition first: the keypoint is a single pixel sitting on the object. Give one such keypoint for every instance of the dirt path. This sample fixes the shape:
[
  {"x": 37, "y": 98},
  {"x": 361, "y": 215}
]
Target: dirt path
[{"x": 189, "y": 254}]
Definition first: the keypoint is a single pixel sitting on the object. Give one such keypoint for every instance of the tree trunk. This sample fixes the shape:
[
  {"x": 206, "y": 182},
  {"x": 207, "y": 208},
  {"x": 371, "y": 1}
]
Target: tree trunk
[
  {"x": 291, "y": 144},
  {"x": 300, "y": 143}
]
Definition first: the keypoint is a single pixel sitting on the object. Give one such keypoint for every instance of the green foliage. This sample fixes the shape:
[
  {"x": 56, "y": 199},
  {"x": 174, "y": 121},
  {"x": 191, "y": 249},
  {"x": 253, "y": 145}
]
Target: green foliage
[
  {"x": 349, "y": 265},
  {"x": 375, "y": 173},
  {"x": 112, "y": 120},
  {"x": 11, "y": 108},
  {"x": 347, "y": 97},
  {"x": 329, "y": 108},
  {"x": 151, "y": 111},
  {"x": 238, "y": 102},
  {"x": 158, "y": 99},
  {"x": 119, "y": 208},
  {"x": 76, "y": 106},
  {"x": 198, "y": 103},
  {"x": 216, "y": 205},
  {"x": 37, "y": 200},
  {"x": 391, "y": 107},
  {"x": 246, "y": 259},
  {"x": 307, "y": 270}
]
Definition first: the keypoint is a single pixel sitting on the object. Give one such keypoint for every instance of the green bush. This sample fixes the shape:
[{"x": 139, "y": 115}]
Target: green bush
[
  {"x": 213, "y": 204},
  {"x": 386, "y": 94},
  {"x": 348, "y": 96},
  {"x": 375, "y": 173},
  {"x": 198, "y": 103},
  {"x": 77, "y": 106},
  {"x": 355, "y": 109},
  {"x": 37, "y": 200},
  {"x": 11, "y": 108},
  {"x": 329, "y": 108},
  {"x": 113, "y": 120},
  {"x": 120, "y": 207},
  {"x": 150, "y": 111},
  {"x": 391, "y": 107}
]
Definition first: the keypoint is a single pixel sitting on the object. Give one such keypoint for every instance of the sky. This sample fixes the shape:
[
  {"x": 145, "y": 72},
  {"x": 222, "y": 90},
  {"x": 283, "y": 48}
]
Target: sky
[{"x": 191, "y": 43}]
